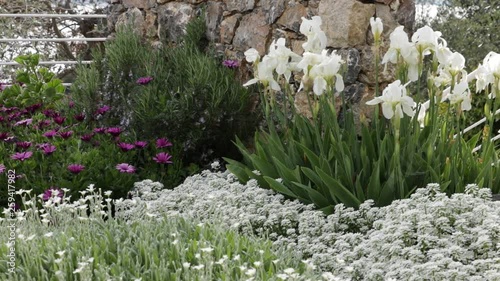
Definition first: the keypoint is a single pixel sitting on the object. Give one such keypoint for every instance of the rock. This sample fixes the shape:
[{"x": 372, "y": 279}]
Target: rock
[
  {"x": 113, "y": 15},
  {"x": 139, "y": 4},
  {"x": 302, "y": 101},
  {"x": 405, "y": 15},
  {"x": 292, "y": 17},
  {"x": 133, "y": 18},
  {"x": 163, "y": 1},
  {"x": 253, "y": 32},
  {"x": 239, "y": 5},
  {"x": 354, "y": 92},
  {"x": 228, "y": 27},
  {"x": 345, "y": 22},
  {"x": 367, "y": 64},
  {"x": 213, "y": 17},
  {"x": 352, "y": 58},
  {"x": 150, "y": 29},
  {"x": 296, "y": 46},
  {"x": 111, "y": 1},
  {"x": 173, "y": 18},
  {"x": 273, "y": 9}
]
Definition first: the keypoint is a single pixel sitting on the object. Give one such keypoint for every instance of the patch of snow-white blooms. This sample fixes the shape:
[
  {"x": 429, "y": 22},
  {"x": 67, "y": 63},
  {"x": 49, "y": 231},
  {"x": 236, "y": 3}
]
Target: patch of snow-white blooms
[{"x": 428, "y": 237}]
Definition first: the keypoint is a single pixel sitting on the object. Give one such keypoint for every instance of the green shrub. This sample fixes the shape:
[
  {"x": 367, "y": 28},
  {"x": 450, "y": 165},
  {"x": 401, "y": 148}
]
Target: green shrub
[{"x": 191, "y": 97}]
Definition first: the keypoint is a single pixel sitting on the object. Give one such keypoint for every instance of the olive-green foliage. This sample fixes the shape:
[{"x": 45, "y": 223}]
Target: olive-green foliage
[
  {"x": 193, "y": 99},
  {"x": 325, "y": 162},
  {"x": 470, "y": 28},
  {"x": 33, "y": 85}
]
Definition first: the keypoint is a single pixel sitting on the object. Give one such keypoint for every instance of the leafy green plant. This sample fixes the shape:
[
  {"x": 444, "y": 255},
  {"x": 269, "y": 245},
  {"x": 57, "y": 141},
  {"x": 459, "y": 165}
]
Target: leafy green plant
[
  {"x": 32, "y": 85},
  {"x": 191, "y": 96},
  {"x": 325, "y": 161}
]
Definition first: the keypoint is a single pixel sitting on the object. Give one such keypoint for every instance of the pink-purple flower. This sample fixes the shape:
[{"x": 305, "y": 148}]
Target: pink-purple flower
[
  {"x": 163, "y": 158},
  {"x": 103, "y": 109},
  {"x": 2, "y": 168},
  {"x": 23, "y": 144},
  {"x": 79, "y": 117},
  {"x": 24, "y": 122},
  {"x": 87, "y": 138},
  {"x": 163, "y": 142},
  {"x": 65, "y": 135},
  {"x": 50, "y": 134},
  {"x": 50, "y": 113},
  {"x": 231, "y": 63},
  {"x": 100, "y": 130},
  {"x": 76, "y": 168},
  {"x": 114, "y": 131},
  {"x": 52, "y": 192},
  {"x": 125, "y": 146},
  {"x": 47, "y": 148},
  {"x": 32, "y": 108},
  {"x": 125, "y": 168},
  {"x": 144, "y": 80},
  {"x": 140, "y": 144},
  {"x": 4, "y": 135},
  {"x": 43, "y": 123},
  {"x": 59, "y": 120},
  {"x": 21, "y": 156}
]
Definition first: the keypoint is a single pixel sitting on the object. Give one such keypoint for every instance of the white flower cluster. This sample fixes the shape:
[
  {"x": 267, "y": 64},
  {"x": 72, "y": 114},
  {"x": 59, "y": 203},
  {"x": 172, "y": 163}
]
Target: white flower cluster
[{"x": 428, "y": 235}]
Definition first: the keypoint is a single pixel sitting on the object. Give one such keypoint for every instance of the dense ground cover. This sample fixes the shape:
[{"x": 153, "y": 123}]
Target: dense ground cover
[{"x": 211, "y": 226}]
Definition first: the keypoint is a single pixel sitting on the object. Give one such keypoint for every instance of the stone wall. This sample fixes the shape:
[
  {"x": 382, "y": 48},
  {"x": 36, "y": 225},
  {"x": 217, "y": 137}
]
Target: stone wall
[{"x": 237, "y": 25}]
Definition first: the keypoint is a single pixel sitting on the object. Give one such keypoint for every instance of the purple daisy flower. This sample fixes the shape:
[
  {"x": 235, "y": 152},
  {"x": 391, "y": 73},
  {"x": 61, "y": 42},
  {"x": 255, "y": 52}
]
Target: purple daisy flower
[
  {"x": 24, "y": 122},
  {"x": 79, "y": 117},
  {"x": 103, "y": 109},
  {"x": 163, "y": 142},
  {"x": 47, "y": 148},
  {"x": 100, "y": 130},
  {"x": 43, "y": 123},
  {"x": 65, "y": 135},
  {"x": 52, "y": 192},
  {"x": 76, "y": 168},
  {"x": 50, "y": 134},
  {"x": 87, "y": 138},
  {"x": 125, "y": 146},
  {"x": 21, "y": 156},
  {"x": 163, "y": 158},
  {"x": 144, "y": 80},
  {"x": 59, "y": 120},
  {"x": 114, "y": 131},
  {"x": 140, "y": 144},
  {"x": 231, "y": 63},
  {"x": 125, "y": 168},
  {"x": 32, "y": 108},
  {"x": 23, "y": 144},
  {"x": 49, "y": 113},
  {"x": 2, "y": 168}
]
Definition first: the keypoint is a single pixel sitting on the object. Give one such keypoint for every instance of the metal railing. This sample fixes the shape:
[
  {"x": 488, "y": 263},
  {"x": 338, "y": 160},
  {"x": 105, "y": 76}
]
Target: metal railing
[{"x": 72, "y": 39}]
